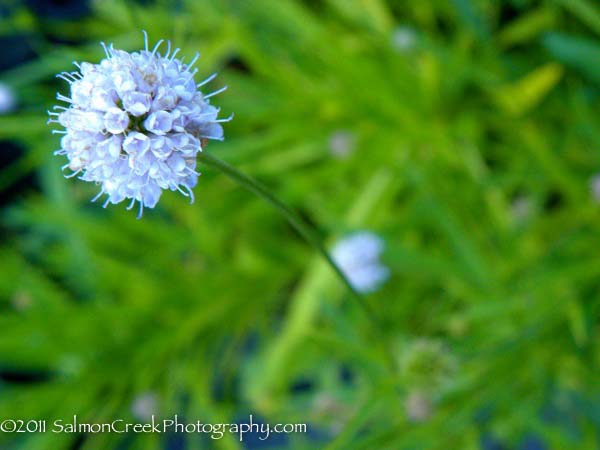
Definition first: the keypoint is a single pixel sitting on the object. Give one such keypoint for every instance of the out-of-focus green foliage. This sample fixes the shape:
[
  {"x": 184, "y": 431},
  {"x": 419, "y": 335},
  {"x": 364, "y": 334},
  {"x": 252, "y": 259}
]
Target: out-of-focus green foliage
[{"x": 474, "y": 132}]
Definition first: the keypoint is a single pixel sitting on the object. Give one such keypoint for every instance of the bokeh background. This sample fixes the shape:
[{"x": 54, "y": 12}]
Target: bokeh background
[{"x": 463, "y": 132}]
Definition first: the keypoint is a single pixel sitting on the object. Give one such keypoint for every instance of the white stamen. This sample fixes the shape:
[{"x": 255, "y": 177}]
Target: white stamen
[
  {"x": 193, "y": 61},
  {"x": 227, "y": 119},
  {"x": 217, "y": 92},
  {"x": 62, "y": 77},
  {"x": 108, "y": 55},
  {"x": 157, "y": 46},
  {"x": 191, "y": 193},
  {"x": 97, "y": 196},
  {"x": 181, "y": 190},
  {"x": 207, "y": 80},
  {"x": 174, "y": 53},
  {"x": 63, "y": 98}
]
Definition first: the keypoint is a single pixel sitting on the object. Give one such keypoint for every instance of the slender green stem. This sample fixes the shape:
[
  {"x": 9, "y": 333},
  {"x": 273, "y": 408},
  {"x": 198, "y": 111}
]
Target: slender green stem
[{"x": 292, "y": 217}]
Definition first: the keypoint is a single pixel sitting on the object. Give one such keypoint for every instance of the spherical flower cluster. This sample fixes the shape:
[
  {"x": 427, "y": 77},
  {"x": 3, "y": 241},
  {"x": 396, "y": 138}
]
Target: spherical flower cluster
[
  {"x": 135, "y": 123},
  {"x": 358, "y": 257}
]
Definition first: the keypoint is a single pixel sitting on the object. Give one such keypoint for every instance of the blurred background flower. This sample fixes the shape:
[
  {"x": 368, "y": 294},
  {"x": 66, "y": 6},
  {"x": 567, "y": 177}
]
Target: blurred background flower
[
  {"x": 464, "y": 132},
  {"x": 358, "y": 255},
  {"x": 7, "y": 99}
]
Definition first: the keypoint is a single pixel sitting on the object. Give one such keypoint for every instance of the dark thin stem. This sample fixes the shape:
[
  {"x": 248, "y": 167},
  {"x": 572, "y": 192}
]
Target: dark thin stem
[{"x": 292, "y": 217}]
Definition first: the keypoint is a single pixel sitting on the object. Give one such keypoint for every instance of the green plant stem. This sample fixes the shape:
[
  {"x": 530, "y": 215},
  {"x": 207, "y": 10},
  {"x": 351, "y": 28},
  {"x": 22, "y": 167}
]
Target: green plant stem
[{"x": 292, "y": 217}]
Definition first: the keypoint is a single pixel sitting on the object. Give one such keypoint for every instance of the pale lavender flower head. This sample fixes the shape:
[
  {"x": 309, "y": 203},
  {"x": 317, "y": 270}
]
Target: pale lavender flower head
[
  {"x": 134, "y": 124},
  {"x": 358, "y": 256}
]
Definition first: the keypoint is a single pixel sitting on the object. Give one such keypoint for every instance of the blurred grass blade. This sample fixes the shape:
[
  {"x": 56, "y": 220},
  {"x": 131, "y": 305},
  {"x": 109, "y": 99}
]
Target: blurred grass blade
[
  {"x": 579, "y": 53},
  {"x": 373, "y": 13},
  {"x": 472, "y": 18},
  {"x": 523, "y": 95},
  {"x": 585, "y": 11},
  {"x": 527, "y": 26}
]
